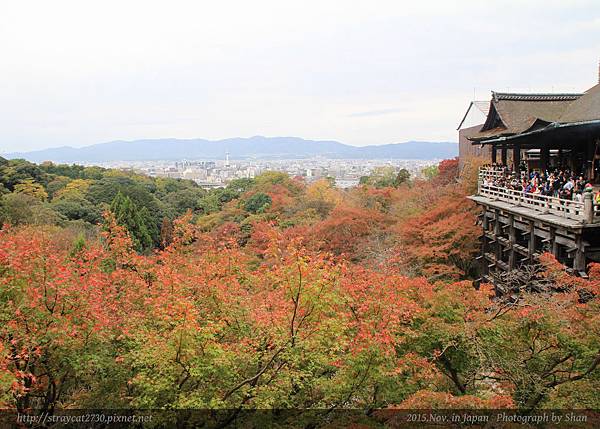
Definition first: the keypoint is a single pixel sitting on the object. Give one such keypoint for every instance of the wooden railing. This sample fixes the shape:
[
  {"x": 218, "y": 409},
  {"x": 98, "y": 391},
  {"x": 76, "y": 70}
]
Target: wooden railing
[
  {"x": 585, "y": 211},
  {"x": 491, "y": 172}
]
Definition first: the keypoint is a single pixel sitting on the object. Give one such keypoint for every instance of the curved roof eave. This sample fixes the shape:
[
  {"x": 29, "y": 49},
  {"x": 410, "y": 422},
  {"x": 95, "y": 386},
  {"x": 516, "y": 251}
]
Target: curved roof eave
[{"x": 552, "y": 126}]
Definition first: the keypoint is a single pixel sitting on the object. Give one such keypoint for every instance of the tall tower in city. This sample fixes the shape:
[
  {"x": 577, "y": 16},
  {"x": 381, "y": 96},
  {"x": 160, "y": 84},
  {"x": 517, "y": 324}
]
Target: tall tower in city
[{"x": 227, "y": 159}]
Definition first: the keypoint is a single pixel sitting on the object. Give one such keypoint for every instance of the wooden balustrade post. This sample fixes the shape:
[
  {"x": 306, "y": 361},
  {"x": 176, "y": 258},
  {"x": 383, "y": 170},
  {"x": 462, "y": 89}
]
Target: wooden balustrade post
[
  {"x": 588, "y": 207},
  {"x": 546, "y": 206}
]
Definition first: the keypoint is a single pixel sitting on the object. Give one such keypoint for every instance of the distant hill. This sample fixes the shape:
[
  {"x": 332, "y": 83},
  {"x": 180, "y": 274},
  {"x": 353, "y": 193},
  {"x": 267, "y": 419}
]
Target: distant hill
[{"x": 238, "y": 148}]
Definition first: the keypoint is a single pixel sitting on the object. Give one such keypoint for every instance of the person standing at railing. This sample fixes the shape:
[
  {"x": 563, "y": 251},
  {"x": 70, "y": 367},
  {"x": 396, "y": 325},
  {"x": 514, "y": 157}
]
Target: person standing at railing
[
  {"x": 569, "y": 185},
  {"x": 597, "y": 198},
  {"x": 555, "y": 183}
]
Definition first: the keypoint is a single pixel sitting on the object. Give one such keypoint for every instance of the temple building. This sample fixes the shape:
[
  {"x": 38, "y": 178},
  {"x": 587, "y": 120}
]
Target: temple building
[{"x": 538, "y": 136}]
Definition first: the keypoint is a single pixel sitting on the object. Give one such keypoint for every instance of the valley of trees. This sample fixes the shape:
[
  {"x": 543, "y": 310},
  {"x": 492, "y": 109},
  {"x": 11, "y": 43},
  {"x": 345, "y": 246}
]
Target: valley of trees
[{"x": 124, "y": 291}]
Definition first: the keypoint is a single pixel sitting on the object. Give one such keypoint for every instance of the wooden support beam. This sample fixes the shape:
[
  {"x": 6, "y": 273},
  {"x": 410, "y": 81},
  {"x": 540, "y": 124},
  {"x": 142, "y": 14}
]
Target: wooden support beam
[
  {"x": 579, "y": 261},
  {"x": 563, "y": 236},
  {"x": 531, "y": 244},
  {"x": 521, "y": 250},
  {"x": 503, "y": 154},
  {"x": 512, "y": 238},
  {"x": 553, "y": 243},
  {"x": 498, "y": 233},
  {"x": 484, "y": 244}
]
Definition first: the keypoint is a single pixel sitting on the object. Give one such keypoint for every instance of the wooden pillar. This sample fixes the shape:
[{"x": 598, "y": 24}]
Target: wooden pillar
[
  {"x": 553, "y": 243},
  {"x": 512, "y": 238},
  {"x": 516, "y": 157},
  {"x": 484, "y": 243},
  {"x": 494, "y": 154},
  {"x": 544, "y": 156},
  {"x": 497, "y": 234},
  {"x": 579, "y": 261},
  {"x": 503, "y": 154},
  {"x": 531, "y": 244},
  {"x": 561, "y": 160},
  {"x": 589, "y": 160}
]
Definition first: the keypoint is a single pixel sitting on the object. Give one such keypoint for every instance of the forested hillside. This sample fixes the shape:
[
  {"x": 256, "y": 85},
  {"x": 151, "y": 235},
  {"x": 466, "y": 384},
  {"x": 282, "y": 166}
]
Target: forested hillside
[{"x": 123, "y": 291}]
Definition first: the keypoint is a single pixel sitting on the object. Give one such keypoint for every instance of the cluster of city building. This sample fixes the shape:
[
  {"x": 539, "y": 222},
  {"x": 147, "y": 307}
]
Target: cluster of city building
[{"x": 218, "y": 173}]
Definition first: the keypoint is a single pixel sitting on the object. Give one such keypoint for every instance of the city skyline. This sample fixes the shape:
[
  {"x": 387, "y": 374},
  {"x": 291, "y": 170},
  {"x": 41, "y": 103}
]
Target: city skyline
[{"x": 345, "y": 173}]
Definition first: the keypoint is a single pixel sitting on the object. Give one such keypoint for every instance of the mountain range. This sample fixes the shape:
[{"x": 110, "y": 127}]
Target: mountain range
[{"x": 257, "y": 147}]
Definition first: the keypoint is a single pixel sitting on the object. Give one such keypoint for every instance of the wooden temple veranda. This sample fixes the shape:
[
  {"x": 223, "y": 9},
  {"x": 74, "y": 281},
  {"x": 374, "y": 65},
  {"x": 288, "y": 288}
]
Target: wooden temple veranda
[{"x": 538, "y": 132}]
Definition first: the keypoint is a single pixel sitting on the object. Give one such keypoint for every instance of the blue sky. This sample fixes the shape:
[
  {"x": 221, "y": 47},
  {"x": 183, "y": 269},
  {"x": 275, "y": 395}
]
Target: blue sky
[{"x": 361, "y": 72}]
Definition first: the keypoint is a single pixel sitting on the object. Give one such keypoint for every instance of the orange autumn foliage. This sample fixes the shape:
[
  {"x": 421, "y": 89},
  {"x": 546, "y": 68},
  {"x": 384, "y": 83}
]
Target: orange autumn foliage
[
  {"x": 441, "y": 241},
  {"x": 424, "y": 399},
  {"x": 346, "y": 229}
]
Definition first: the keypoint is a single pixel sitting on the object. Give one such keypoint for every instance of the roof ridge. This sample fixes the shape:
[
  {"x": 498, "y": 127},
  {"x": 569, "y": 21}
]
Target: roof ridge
[
  {"x": 538, "y": 93},
  {"x": 537, "y": 96}
]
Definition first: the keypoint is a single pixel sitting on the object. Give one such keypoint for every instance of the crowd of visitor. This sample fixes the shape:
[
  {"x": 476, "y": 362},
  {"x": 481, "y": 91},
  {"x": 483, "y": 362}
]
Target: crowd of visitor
[{"x": 560, "y": 183}]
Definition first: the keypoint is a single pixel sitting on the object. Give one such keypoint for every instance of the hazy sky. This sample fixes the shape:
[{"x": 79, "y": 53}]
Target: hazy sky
[{"x": 361, "y": 72}]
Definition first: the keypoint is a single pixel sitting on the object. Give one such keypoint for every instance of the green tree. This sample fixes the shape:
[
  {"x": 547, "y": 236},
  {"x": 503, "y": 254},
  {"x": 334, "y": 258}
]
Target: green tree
[
  {"x": 180, "y": 201},
  {"x": 128, "y": 215},
  {"x": 140, "y": 193},
  {"x": 257, "y": 203},
  {"x": 241, "y": 185},
  {"x": 215, "y": 199},
  {"x": 78, "y": 245},
  {"x": 17, "y": 170},
  {"x": 32, "y": 188},
  {"x": 386, "y": 177},
  {"x": 21, "y": 209},
  {"x": 74, "y": 208},
  {"x": 430, "y": 172},
  {"x": 57, "y": 184},
  {"x": 403, "y": 176}
]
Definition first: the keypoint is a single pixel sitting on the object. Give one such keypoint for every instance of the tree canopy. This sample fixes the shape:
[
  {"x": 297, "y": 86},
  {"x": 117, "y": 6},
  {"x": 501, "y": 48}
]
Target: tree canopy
[{"x": 272, "y": 293}]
